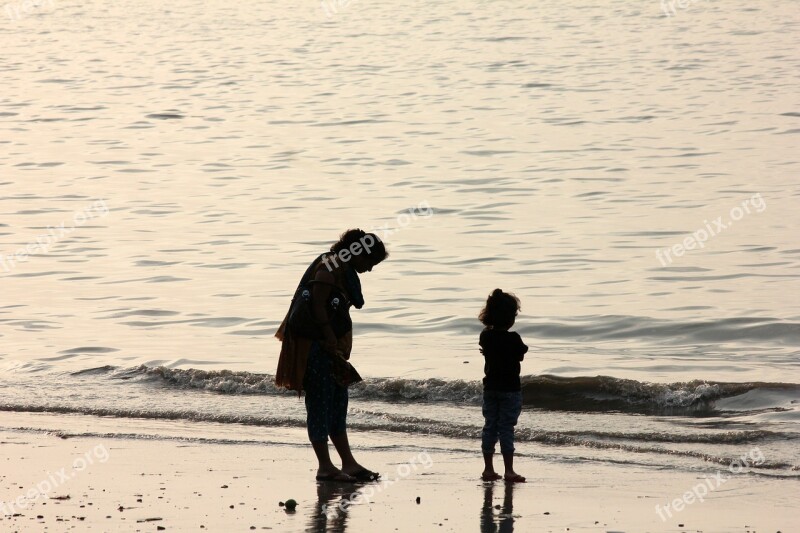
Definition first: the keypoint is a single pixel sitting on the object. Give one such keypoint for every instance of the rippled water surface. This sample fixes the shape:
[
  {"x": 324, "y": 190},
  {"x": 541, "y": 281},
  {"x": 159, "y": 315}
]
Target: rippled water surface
[{"x": 632, "y": 177}]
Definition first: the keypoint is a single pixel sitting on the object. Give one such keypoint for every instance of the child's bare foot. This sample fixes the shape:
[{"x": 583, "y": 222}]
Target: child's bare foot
[
  {"x": 513, "y": 477},
  {"x": 490, "y": 476}
]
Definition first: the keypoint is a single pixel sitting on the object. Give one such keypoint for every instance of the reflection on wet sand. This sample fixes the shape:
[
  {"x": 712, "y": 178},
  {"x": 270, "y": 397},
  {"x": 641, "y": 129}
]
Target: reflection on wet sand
[
  {"x": 503, "y": 520},
  {"x": 327, "y": 515}
]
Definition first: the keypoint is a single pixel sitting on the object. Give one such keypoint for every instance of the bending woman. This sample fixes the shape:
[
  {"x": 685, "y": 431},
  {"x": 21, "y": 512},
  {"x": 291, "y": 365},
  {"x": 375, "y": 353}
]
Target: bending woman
[{"x": 315, "y": 362}]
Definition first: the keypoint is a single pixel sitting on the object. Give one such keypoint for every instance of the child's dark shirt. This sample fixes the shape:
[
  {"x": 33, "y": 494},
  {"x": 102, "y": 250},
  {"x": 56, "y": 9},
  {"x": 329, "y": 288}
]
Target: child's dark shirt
[{"x": 503, "y": 350}]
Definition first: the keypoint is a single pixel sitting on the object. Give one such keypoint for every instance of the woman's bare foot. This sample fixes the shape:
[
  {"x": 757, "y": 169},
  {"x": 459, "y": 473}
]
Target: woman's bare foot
[
  {"x": 513, "y": 477},
  {"x": 334, "y": 475},
  {"x": 490, "y": 476}
]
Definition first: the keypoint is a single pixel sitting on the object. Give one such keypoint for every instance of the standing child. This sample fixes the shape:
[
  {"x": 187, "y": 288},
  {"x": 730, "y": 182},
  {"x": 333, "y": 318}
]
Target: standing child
[{"x": 502, "y": 394}]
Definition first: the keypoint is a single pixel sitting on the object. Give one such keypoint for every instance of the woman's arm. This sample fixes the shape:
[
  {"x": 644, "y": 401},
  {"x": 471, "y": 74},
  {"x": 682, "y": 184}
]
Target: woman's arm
[{"x": 319, "y": 297}]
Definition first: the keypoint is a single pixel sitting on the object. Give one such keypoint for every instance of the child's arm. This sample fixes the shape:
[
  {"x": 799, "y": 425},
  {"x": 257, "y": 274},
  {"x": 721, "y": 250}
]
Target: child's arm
[{"x": 523, "y": 348}]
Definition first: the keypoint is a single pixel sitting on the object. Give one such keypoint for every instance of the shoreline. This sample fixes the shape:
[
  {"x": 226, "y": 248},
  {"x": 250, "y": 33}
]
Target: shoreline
[{"x": 144, "y": 485}]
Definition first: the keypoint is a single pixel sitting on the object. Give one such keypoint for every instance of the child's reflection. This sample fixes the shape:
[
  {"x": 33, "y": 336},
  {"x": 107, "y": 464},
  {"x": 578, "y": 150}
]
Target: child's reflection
[{"x": 497, "y": 520}]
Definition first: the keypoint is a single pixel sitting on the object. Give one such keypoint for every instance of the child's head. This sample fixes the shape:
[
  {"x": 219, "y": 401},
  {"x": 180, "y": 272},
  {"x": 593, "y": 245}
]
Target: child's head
[{"x": 500, "y": 311}]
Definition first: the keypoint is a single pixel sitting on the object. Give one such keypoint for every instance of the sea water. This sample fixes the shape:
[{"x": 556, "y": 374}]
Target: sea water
[{"x": 168, "y": 170}]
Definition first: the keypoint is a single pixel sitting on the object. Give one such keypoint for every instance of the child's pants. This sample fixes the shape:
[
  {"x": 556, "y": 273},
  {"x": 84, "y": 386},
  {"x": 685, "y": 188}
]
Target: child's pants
[{"x": 501, "y": 411}]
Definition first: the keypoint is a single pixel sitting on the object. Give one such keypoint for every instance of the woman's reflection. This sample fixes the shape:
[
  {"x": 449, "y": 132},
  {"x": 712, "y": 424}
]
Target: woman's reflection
[{"x": 332, "y": 507}]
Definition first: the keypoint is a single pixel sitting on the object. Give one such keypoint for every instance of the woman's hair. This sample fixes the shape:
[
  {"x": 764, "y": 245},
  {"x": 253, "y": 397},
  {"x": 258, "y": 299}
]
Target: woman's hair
[
  {"x": 371, "y": 245},
  {"x": 501, "y": 310}
]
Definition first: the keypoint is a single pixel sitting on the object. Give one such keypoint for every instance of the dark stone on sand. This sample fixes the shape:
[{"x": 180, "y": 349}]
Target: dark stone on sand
[
  {"x": 419, "y": 499},
  {"x": 224, "y": 486},
  {"x": 497, "y": 506},
  {"x": 280, "y": 504},
  {"x": 547, "y": 512}
]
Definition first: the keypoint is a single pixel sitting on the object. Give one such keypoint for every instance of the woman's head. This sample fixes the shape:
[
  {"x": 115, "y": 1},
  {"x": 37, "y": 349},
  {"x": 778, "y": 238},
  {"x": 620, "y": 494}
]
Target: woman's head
[
  {"x": 361, "y": 249},
  {"x": 500, "y": 311}
]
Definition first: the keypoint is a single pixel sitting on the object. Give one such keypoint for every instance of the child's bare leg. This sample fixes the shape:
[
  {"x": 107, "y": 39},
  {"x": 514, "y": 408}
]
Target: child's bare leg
[
  {"x": 489, "y": 435},
  {"x": 508, "y": 460},
  {"x": 510, "y": 414},
  {"x": 488, "y": 471}
]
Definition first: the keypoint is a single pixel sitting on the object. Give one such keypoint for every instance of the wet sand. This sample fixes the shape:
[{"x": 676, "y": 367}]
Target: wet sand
[{"x": 155, "y": 485}]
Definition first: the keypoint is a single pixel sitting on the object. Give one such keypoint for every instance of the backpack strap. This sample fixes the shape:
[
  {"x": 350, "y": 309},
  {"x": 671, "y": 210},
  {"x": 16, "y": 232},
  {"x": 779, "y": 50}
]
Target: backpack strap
[{"x": 333, "y": 286}]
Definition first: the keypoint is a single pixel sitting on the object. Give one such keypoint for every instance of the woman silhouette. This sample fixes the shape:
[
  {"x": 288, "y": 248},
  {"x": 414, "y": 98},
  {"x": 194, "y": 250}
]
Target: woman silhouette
[{"x": 316, "y": 362}]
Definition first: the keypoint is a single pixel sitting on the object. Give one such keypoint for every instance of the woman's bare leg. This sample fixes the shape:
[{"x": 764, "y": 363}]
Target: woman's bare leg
[
  {"x": 326, "y": 466},
  {"x": 342, "y": 444}
]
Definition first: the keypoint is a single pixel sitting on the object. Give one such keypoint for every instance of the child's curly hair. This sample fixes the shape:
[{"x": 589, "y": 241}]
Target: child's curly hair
[{"x": 500, "y": 311}]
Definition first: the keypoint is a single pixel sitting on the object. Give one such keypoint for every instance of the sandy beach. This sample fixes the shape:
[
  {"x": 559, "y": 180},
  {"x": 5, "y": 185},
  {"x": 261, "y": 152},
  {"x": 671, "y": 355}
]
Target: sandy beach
[{"x": 118, "y": 484}]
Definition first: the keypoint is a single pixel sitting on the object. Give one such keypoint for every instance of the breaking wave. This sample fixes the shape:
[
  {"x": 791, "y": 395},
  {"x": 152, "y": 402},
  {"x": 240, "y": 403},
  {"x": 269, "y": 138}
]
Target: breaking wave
[{"x": 590, "y": 393}]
